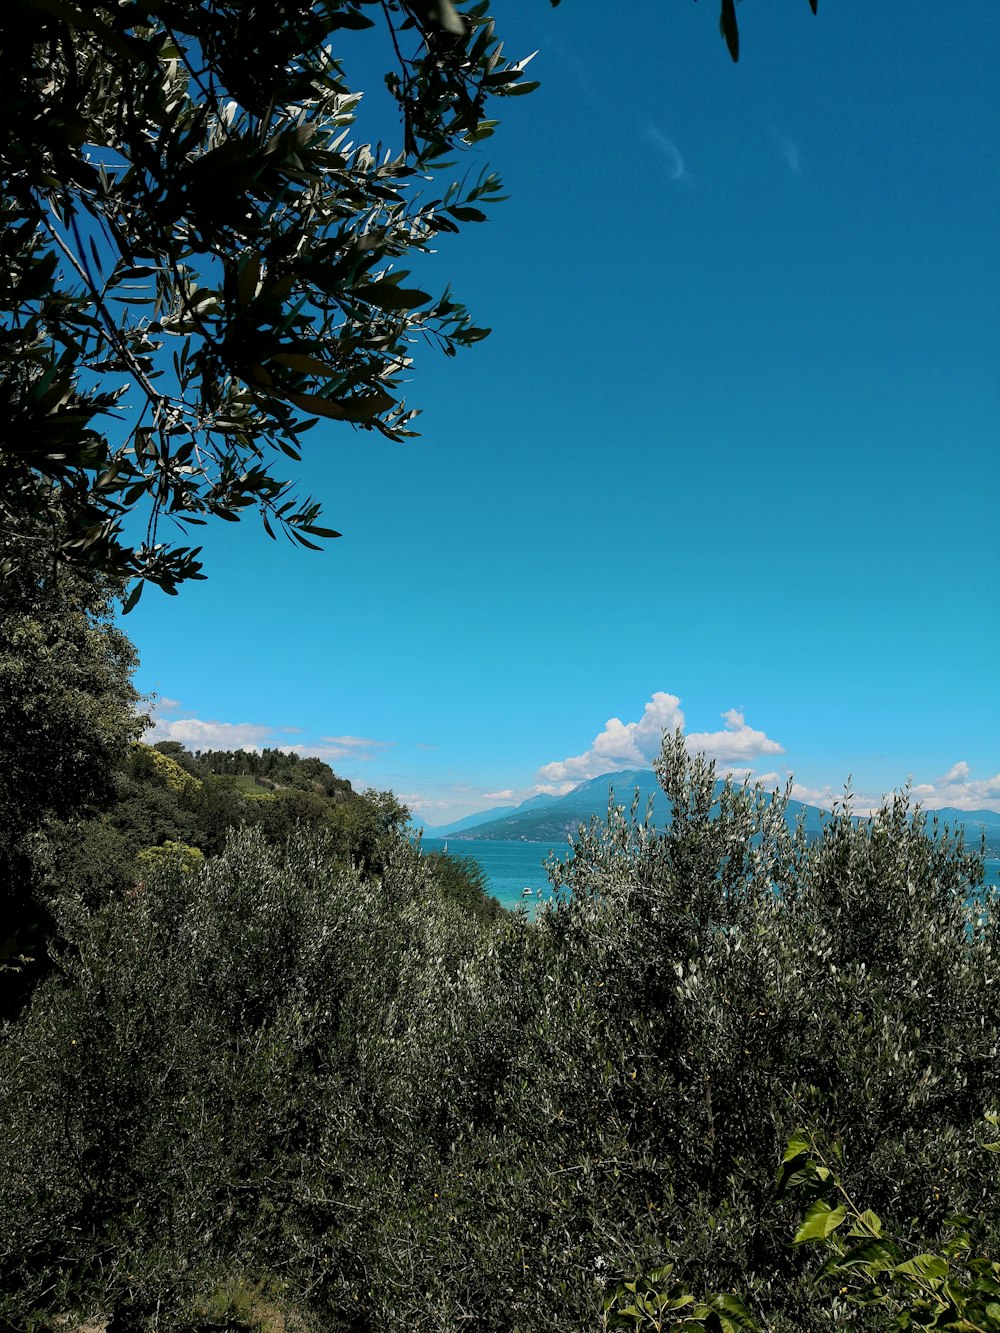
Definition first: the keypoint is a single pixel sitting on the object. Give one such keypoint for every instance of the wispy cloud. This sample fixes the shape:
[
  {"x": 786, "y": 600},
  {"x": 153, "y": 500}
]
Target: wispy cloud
[
  {"x": 348, "y": 743},
  {"x": 200, "y": 734},
  {"x": 788, "y": 149},
  {"x": 637, "y": 744},
  {"x": 667, "y": 152},
  {"x": 422, "y": 805}
]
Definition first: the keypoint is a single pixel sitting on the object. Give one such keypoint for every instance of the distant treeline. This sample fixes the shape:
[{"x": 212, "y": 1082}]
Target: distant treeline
[{"x": 285, "y": 769}]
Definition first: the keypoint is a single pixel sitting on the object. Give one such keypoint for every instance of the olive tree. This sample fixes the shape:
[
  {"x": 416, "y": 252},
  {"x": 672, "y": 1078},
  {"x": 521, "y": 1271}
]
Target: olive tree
[{"x": 203, "y": 257}]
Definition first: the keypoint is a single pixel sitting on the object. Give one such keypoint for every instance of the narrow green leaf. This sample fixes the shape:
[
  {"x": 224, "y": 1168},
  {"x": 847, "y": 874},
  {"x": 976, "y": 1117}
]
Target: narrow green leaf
[
  {"x": 308, "y": 365},
  {"x": 729, "y": 28},
  {"x": 314, "y": 531},
  {"x": 387, "y": 296},
  {"x": 464, "y": 213}
]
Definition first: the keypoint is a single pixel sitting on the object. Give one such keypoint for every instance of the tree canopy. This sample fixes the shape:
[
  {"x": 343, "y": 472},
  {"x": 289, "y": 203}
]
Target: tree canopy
[
  {"x": 68, "y": 713},
  {"x": 201, "y": 257}
]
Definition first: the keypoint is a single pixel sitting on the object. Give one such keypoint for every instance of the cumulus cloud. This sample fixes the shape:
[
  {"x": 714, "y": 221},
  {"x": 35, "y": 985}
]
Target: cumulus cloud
[
  {"x": 620, "y": 744},
  {"x": 199, "y": 735},
  {"x": 824, "y": 797},
  {"x": 637, "y": 744},
  {"x": 736, "y": 743},
  {"x": 550, "y": 788},
  {"x": 960, "y": 789}
]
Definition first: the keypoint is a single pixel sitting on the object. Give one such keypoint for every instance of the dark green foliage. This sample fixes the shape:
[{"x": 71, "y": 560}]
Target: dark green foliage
[
  {"x": 209, "y": 1077},
  {"x": 277, "y": 767},
  {"x": 286, "y": 1065},
  {"x": 462, "y": 880},
  {"x": 890, "y": 1276},
  {"x": 67, "y": 716},
  {"x": 192, "y": 242}
]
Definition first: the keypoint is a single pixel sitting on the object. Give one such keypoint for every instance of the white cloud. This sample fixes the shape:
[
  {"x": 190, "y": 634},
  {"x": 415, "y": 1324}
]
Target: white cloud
[
  {"x": 357, "y": 743},
  {"x": 637, "y": 744},
  {"x": 960, "y": 789},
  {"x": 735, "y": 742},
  {"x": 789, "y": 151},
  {"x": 331, "y": 753},
  {"x": 620, "y": 744},
  {"x": 420, "y": 805},
  {"x": 506, "y": 795},
  {"x": 956, "y": 789},
  {"x": 199, "y": 735},
  {"x": 826, "y": 797},
  {"x": 667, "y": 151}
]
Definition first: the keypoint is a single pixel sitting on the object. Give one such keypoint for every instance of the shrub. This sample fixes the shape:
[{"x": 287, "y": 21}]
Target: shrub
[{"x": 309, "y": 1060}]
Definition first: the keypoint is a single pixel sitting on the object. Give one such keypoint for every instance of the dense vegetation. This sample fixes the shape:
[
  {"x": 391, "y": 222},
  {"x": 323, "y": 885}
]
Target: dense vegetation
[
  {"x": 265, "y": 1065},
  {"x": 207, "y": 236},
  {"x": 277, "y": 1082}
]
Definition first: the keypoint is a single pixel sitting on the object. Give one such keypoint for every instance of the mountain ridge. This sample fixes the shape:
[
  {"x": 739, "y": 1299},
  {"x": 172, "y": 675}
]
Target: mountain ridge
[{"x": 544, "y": 819}]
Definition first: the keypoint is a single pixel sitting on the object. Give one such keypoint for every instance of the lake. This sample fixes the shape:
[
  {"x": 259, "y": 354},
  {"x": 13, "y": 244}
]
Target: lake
[{"x": 512, "y": 867}]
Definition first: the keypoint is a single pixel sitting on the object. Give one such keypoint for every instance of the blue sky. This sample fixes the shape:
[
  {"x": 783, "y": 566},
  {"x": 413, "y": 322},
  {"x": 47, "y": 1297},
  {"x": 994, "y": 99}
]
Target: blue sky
[{"x": 729, "y": 459}]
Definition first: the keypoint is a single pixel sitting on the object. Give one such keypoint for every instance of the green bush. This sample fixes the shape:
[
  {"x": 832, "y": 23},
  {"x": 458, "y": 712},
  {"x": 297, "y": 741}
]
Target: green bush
[{"x": 310, "y": 1060}]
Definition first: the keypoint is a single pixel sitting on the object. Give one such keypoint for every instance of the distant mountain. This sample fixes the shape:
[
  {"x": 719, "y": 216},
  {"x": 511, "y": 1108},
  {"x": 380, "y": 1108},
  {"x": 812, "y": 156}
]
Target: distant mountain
[
  {"x": 531, "y": 805},
  {"x": 551, "y": 819},
  {"x": 975, "y": 821},
  {"x": 562, "y": 815}
]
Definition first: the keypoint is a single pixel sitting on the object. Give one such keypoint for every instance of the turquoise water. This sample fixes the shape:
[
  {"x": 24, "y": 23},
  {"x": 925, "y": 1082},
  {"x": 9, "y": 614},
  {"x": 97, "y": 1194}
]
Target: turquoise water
[{"x": 513, "y": 866}]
